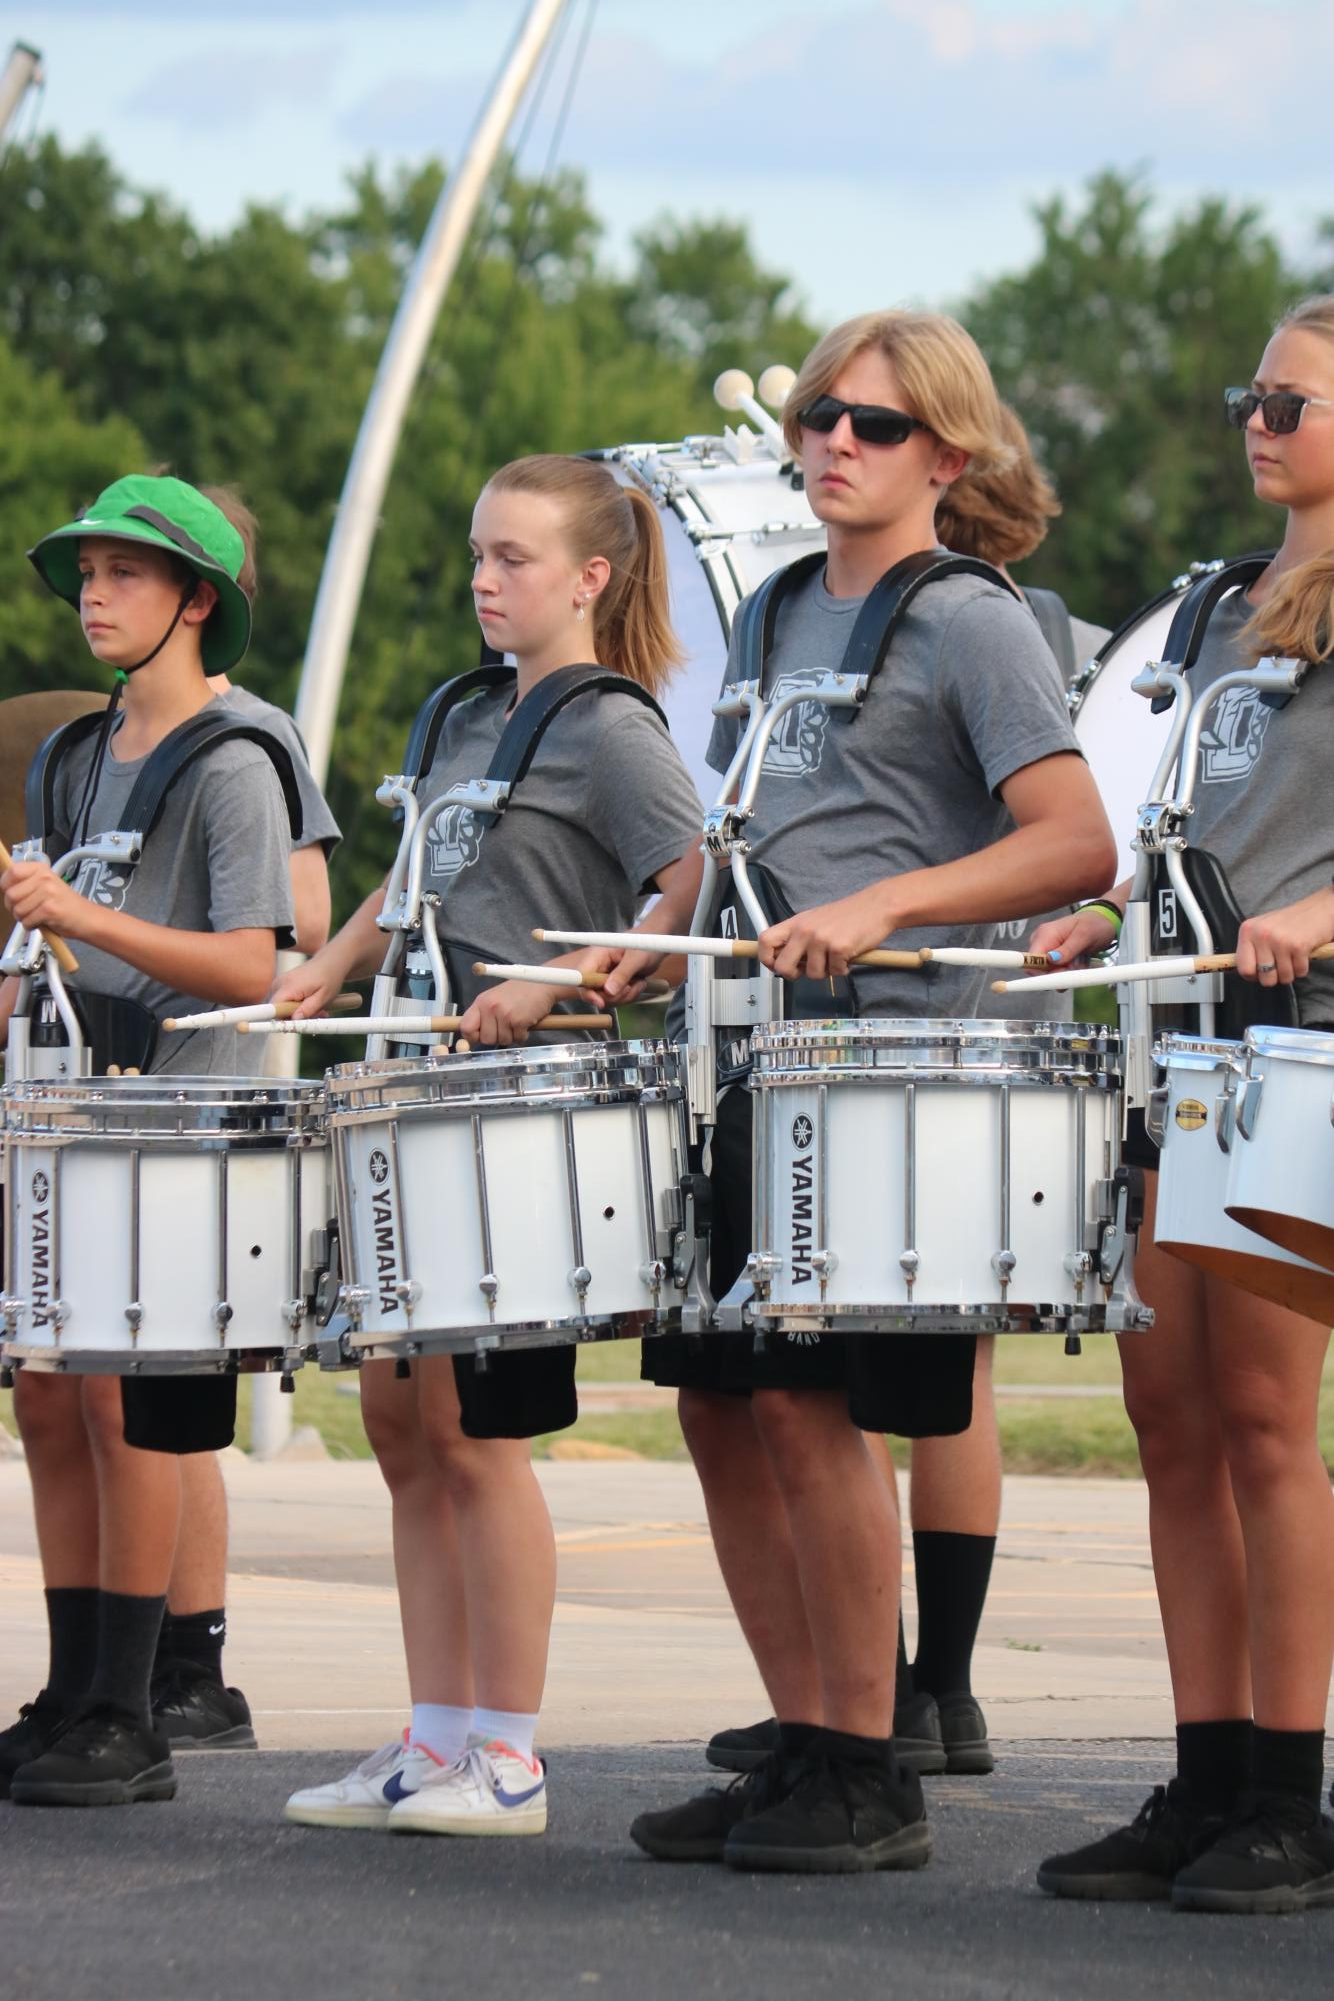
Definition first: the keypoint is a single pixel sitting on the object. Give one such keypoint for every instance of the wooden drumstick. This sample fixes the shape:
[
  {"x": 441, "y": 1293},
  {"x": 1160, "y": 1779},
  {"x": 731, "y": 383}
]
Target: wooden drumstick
[
  {"x": 232, "y": 1017},
  {"x": 565, "y": 976},
  {"x": 1178, "y": 968},
  {"x": 706, "y": 948},
  {"x": 405, "y": 1024},
  {"x": 54, "y": 943}
]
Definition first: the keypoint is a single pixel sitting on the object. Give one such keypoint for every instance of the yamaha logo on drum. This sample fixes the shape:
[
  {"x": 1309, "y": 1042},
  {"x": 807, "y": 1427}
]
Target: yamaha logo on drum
[
  {"x": 383, "y": 1234},
  {"x": 803, "y": 1199},
  {"x": 379, "y": 1167},
  {"x": 39, "y": 1247},
  {"x": 803, "y": 1132},
  {"x": 41, "y": 1187}
]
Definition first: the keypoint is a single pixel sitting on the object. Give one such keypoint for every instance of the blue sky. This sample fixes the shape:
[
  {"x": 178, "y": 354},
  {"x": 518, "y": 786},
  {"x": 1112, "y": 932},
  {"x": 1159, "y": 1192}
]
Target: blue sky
[{"x": 879, "y": 150}]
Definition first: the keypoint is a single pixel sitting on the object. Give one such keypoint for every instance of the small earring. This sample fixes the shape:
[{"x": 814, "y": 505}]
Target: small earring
[{"x": 579, "y": 611}]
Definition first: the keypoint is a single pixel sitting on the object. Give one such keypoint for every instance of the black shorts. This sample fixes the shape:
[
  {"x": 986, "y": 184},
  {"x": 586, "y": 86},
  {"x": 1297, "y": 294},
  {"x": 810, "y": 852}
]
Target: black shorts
[
  {"x": 521, "y": 1392},
  {"x": 916, "y": 1385},
  {"x": 179, "y": 1413}
]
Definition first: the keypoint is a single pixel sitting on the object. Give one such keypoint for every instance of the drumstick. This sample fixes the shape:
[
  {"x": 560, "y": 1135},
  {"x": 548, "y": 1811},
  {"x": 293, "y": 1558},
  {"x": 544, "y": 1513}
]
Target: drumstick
[
  {"x": 404, "y": 1024},
  {"x": 567, "y": 976},
  {"x": 964, "y": 955},
  {"x": 705, "y": 948},
  {"x": 54, "y": 943},
  {"x": 1139, "y": 969},
  {"x": 232, "y": 1017}
]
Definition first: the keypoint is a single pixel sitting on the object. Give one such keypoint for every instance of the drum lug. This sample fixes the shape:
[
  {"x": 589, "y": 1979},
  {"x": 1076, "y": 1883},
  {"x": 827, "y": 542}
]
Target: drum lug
[
  {"x": 134, "y": 1314},
  {"x": 654, "y": 1274},
  {"x": 763, "y": 1266},
  {"x": 354, "y": 1299},
  {"x": 1003, "y": 1264},
  {"x": 408, "y": 1293},
  {"x": 909, "y": 1264},
  {"x": 1079, "y": 1265},
  {"x": 489, "y": 1285},
  {"x": 294, "y": 1312},
  {"x": 222, "y": 1315},
  {"x": 824, "y": 1264}
]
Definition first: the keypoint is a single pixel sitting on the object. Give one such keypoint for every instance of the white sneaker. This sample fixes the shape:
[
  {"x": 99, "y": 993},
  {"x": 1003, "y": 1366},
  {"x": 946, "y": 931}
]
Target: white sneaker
[
  {"x": 491, "y": 1790},
  {"x": 368, "y": 1795}
]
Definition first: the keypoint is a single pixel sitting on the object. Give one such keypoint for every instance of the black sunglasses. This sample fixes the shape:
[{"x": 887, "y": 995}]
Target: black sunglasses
[
  {"x": 1281, "y": 408},
  {"x": 872, "y": 423}
]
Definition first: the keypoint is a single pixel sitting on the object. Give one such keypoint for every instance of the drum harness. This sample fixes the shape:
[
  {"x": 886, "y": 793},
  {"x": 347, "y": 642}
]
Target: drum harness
[
  {"x": 60, "y": 1031},
  {"x": 1173, "y": 881},
  {"x": 716, "y": 998}
]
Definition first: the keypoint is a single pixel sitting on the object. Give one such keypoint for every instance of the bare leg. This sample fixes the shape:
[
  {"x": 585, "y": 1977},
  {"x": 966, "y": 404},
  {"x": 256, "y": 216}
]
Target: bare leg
[
  {"x": 845, "y": 1533},
  {"x": 956, "y": 1482},
  {"x": 752, "y": 1539},
  {"x": 1266, "y": 1367},
  {"x": 427, "y": 1565},
  {"x": 199, "y": 1573},
  {"x": 505, "y": 1547},
  {"x": 139, "y": 1495},
  {"x": 49, "y": 1410},
  {"x": 1191, "y": 1508}
]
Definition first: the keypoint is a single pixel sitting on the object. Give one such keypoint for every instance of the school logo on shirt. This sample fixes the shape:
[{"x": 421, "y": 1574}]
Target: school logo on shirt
[
  {"x": 456, "y": 841},
  {"x": 104, "y": 883},
  {"x": 797, "y": 745},
  {"x": 1233, "y": 737}
]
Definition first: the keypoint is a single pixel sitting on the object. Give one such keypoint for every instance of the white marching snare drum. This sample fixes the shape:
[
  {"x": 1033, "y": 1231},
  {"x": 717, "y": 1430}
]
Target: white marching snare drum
[
  {"x": 1118, "y": 732},
  {"x": 161, "y": 1225},
  {"x": 932, "y": 1175},
  {"x": 726, "y": 526},
  {"x": 1193, "y": 1117},
  {"x": 1281, "y": 1182},
  {"x": 507, "y": 1198}
]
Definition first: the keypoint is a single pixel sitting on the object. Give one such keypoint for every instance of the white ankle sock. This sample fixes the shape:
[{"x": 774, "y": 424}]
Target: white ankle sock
[
  {"x": 441, "y": 1729},
  {"x": 513, "y": 1729}
]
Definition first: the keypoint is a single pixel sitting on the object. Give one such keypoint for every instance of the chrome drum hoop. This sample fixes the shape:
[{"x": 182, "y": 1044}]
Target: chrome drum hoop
[
  {"x": 986, "y": 1052},
  {"x": 551, "y": 1078},
  {"x": 189, "y": 1111}
]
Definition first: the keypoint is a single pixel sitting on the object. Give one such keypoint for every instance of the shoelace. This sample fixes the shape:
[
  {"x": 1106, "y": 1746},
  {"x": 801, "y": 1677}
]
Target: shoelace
[{"x": 1154, "y": 1810}]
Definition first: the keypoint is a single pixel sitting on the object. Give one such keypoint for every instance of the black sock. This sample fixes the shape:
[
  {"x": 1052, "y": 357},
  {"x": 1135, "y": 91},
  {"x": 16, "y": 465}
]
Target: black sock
[
  {"x": 1289, "y": 1761},
  {"x": 905, "y": 1688},
  {"x": 71, "y": 1615},
  {"x": 197, "y": 1641},
  {"x": 794, "y": 1738},
  {"x": 953, "y": 1572},
  {"x": 852, "y": 1750},
  {"x": 163, "y": 1657},
  {"x": 127, "y": 1630},
  {"x": 1214, "y": 1760}
]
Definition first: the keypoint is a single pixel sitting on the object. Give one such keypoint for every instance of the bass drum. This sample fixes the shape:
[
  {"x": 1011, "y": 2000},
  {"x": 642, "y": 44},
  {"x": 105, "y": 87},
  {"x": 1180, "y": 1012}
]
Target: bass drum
[{"x": 728, "y": 524}]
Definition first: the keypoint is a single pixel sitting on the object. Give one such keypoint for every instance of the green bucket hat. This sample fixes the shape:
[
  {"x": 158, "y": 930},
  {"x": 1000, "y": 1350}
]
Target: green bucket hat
[{"x": 166, "y": 514}]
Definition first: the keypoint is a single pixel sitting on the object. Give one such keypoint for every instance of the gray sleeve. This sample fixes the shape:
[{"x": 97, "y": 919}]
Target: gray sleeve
[
  {"x": 642, "y": 803},
  {"x": 1003, "y": 688},
  {"x": 726, "y": 733},
  {"x": 249, "y": 841}
]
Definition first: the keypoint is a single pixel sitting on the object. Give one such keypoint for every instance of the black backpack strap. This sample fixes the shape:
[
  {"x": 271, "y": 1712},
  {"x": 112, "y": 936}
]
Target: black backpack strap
[
  {"x": 1191, "y": 620},
  {"x": 1052, "y": 614},
  {"x": 534, "y": 716},
  {"x": 39, "y": 789},
  {"x": 888, "y": 601},
  {"x": 424, "y": 736},
  {"x": 191, "y": 740},
  {"x": 757, "y": 618}
]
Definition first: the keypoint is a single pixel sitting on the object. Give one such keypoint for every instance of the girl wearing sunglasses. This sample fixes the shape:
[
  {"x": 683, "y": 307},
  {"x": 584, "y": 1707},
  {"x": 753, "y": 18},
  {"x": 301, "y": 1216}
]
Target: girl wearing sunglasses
[
  {"x": 1223, "y": 1394},
  {"x": 957, "y": 799}
]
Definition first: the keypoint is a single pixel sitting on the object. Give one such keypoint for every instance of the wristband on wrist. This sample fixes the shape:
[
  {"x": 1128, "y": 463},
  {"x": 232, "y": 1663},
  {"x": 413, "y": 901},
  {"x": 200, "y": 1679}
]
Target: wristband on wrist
[{"x": 1108, "y": 910}]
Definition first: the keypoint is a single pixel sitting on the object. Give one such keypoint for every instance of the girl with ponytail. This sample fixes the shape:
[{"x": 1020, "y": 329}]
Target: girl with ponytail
[
  {"x": 1223, "y": 1394},
  {"x": 568, "y": 570}
]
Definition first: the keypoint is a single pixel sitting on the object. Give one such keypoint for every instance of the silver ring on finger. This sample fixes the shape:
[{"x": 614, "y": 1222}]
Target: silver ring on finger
[{"x": 1267, "y": 969}]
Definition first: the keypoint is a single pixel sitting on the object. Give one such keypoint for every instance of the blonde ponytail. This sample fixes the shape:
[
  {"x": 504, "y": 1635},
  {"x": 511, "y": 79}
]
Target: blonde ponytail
[{"x": 632, "y": 624}]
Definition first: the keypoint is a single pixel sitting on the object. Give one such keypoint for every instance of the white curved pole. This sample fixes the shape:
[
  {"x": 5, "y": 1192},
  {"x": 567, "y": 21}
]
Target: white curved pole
[
  {"x": 358, "y": 517},
  {"x": 20, "y": 73}
]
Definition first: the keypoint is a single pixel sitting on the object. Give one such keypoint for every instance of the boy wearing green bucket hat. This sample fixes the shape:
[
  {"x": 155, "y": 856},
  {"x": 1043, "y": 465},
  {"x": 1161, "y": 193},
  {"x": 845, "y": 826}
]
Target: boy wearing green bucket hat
[{"x": 153, "y": 567}]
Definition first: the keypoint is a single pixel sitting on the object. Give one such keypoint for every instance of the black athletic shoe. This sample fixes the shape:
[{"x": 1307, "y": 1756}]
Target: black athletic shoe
[
  {"x": 742, "y": 1750},
  {"x": 1140, "y": 1861},
  {"x": 100, "y": 1758},
  {"x": 1275, "y": 1856},
  {"x": 918, "y": 1743},
  {"x": 963, "y": 1728},
  {"x": 39, "y": 1724},
  {"x": 697, "y": 1830},
  {"x": 196, "y": 1714},
  {"x": 837, "y": 1819}
]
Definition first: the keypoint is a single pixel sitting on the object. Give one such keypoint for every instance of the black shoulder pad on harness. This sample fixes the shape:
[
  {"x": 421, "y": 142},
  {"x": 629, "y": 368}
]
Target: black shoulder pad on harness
[
  {"x": 163, "y": 766},
  {"x": 1052, "y": 613},
  {"x": 424, "y": 736},
  {"x": 1191, "y": 619},
  {"x": 539, "y": 709},
  {"x": 877, "y": 621}
]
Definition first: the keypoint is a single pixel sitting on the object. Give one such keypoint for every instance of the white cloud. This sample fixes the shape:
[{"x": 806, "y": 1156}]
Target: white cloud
[{"x": 234, "y": 85}]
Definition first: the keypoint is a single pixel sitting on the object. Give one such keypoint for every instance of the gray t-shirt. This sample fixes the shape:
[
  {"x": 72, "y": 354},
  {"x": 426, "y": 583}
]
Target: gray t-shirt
[
  {"x": 317, "y": 822},
  {"x": 606, "y": 804},
  {"x": 216, "y": 861},
  {"x": 1261, "y": 798},
  {"x": 968, "y": 695}
]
